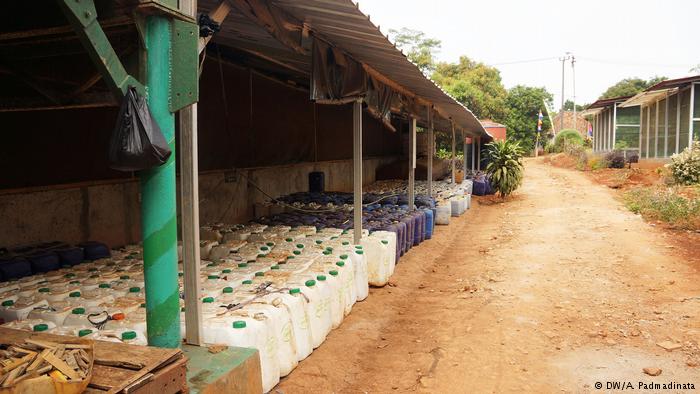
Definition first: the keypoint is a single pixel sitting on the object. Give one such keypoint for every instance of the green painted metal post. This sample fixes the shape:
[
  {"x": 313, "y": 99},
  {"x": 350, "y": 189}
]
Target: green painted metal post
[{"x": 158, "y": 201}]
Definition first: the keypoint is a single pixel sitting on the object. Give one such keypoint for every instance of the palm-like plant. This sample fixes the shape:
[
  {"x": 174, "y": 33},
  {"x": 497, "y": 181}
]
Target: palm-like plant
[{"x": 505, "y": 168}]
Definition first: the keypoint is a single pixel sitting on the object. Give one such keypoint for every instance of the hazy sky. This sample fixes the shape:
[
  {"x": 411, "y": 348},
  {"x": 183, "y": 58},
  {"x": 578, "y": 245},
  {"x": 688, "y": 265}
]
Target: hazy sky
[{"x": 611, "y": 39}]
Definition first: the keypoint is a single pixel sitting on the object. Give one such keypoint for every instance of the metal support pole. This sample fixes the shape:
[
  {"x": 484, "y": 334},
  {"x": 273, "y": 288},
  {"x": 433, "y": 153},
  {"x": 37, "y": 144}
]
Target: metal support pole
[
  {"x": 189, "y": 208},
  {"x": 464, "y": 154},
  {"x": 478, "y": 155},
  {"x": 614, "y": 126},
  {"x": 656, "y": 131},
  {"x": 454, "y": 153},
  {"x": 357, "y": 170},
  {"x": 158, "y": 205},
  {"x": 691, "y": 129},
  {"x": 431, "y": 151},
  {"x": 648, "y": 130},
  {"x": 473, "y": 152},
  {"x": 412, "y": 164}
]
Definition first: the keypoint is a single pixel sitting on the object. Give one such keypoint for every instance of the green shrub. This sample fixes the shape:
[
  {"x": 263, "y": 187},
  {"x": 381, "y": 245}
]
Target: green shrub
[
  {"x": 505, "y": 168},
  {"x": 567, "y": 137},
  {"x": 685, "y": 166},
  {"x": 665, "y": 204},
  {"x": 597, "y": 162}
]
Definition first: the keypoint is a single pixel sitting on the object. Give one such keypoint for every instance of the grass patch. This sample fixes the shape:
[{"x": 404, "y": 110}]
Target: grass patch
[{"x": 677, "y": 206}]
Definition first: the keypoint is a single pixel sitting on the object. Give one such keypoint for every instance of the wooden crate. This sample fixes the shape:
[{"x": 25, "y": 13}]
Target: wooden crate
[{"x": 121, "y": 368}]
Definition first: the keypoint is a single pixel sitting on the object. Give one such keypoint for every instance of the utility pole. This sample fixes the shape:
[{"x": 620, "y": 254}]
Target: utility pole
[
  {"x": 563, "y": 63},
  {"x": 573, "y": 76}
]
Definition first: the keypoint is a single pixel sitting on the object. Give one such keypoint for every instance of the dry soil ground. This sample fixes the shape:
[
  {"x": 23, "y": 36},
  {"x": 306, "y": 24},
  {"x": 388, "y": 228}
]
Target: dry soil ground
[{"x": 553, "y": 291}]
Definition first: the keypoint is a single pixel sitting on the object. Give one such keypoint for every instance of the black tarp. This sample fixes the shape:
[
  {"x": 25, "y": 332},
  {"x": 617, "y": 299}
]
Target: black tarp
[{"x": 335, "y": 77}]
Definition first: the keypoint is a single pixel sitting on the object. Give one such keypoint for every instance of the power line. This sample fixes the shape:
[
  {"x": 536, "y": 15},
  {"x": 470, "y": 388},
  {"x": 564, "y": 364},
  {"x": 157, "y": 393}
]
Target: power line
[{"x": 543, "y": 59}]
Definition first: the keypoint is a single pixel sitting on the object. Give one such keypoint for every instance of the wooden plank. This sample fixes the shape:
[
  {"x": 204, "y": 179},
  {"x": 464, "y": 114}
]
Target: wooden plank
[
  {"x": 105, "y": 377},
  {"x": 147, "y": 369},
  {"x": 61, "y": 366},
  {"x": 171, "y": 379}
]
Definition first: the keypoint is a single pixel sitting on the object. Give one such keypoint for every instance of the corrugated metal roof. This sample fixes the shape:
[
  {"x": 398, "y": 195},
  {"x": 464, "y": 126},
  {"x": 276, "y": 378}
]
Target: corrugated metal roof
[
  {"x": 341, "y": 23},
  {"x": 674, "y": 83},
  {"x": 607, "y": 102}
]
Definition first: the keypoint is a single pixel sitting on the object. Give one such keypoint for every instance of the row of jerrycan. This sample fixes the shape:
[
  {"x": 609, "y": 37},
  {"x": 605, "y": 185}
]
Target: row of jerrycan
[{"x": 289, "y": 311}]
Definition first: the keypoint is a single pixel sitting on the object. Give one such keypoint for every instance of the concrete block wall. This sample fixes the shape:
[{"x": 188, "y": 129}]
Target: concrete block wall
[{"x": 110, "y": 211}]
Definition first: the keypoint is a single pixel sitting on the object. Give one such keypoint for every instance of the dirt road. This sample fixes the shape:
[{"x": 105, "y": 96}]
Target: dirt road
[{"x": 553, "y": 291}]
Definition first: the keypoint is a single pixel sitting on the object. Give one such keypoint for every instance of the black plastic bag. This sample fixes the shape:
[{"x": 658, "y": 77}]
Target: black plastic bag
[{"x": 137, "y": 142}]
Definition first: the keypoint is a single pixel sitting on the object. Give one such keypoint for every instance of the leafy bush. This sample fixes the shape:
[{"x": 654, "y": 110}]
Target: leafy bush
[
  {"x": 665, "y": 204},
  {"x": 685, "y": 166},
  {"x": 615, "y": 159},
  {"x": 505, "y": 168},
  {"x": 579, "y": 153},
  {"x": 567, "y": 137},
  {"x": 597, "y": 162}
]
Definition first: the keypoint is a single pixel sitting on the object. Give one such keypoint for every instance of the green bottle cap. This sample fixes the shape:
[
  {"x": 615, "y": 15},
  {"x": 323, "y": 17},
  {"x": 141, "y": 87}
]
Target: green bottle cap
[
  {"x": 261, "y": 256},
  {"x": 44, "y": 290},
  {"x": 212, "y": 265},
  {"x": 180, "y": 274},
  {"x": 385, "y": 242},
  {"x": 124, "y": 277},
  {"x": 226, "y": 271},
  {"x": 228, "y": 290},
  {"x": 290, "y": 257},
  {"x": 326, "y": 252},
  {"x": 134, "y": 289},
  {"x": 321, "y": 277},
  {"x": 318, "y": 242},
  {"x": 343, "y": 257},
  {"x": 270, "y": 244},
  {"x": 74, "y": 294},
  {"x": 41, "y": 327},
  {"x": 247, "y": 282},
  {"x": 333, "y": 272},
  {"x": 275, "y": 267},
  {"x": 264, "y": 248},
  {"x": 8, "y": 303},
  {"x": 359, "y": 252},
  {"x": 289, "y": 239},
  {"x": 259, "y": 273},
  {"x": 143, "y": 305},
  {"x": 358, "y": 246},
  {"x": 310, "y": 283},
  {"x": 296, "y": 252},
  {"x": 346, "y": 243},
  {"x": 69, "y": 275},
  {"x": 208, "y": 300},
  {"x": 84, "y": 332},
  {"x": 300, "y": 246},
  {"x": 239, "y": 324},
  {"x": 242, "y": 265},
  {"x": 78, "y": 311},
  {"x": 128, "y": 335},
  {"x": 329, "y": 249},
  {"x": 104, "y": 286},
  {"x": 340, "y": 264},
  {"x": 213, "y": 277},
  {"x": 294, "y": 291}
]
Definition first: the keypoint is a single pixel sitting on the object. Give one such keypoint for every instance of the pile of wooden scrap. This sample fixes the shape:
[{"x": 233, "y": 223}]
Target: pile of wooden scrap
[{"x": 64, "y": 363}]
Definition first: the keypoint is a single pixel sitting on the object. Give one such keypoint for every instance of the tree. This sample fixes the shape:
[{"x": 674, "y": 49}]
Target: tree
[
  {"x": 569, "y": 106},
  {"x": 474, "y": 84},
  {"x": 630, "y": 87},
  {"x": 524, "y": 104},
  {"x": 419, "y": 48}
]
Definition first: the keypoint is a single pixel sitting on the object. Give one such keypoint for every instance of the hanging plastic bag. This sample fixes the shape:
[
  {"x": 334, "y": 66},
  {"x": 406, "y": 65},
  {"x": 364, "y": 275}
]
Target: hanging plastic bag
[{"x": 137, "y": 142}]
